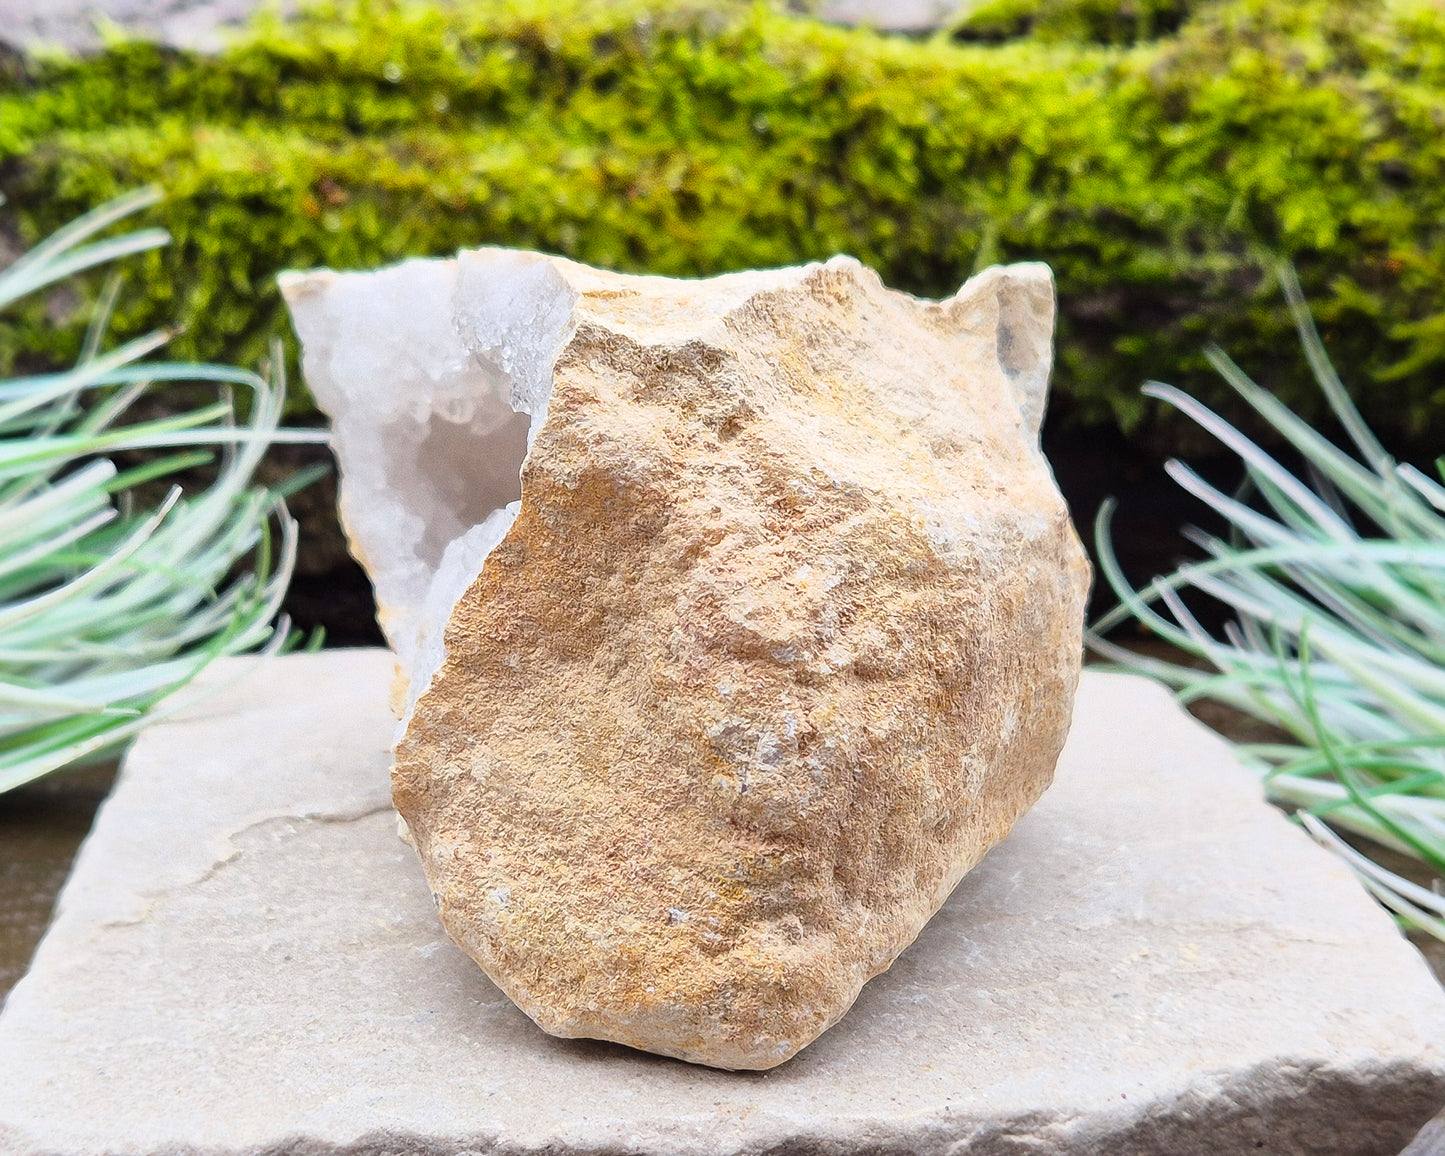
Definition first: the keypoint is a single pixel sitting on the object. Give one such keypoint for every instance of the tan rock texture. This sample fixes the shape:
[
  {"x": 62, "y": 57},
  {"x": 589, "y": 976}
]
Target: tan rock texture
[{"x": 783, "y": 637}]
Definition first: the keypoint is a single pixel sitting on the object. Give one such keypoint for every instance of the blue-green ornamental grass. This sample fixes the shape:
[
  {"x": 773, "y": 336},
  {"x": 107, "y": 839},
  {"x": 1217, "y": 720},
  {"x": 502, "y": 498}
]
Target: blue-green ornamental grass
[
  {"x": 1337, "y": 584},
  {"x": 109, "y": 607}
]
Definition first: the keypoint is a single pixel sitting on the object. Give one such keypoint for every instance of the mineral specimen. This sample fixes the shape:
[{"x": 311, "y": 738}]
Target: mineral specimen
[{"x": 734, "y": 619}]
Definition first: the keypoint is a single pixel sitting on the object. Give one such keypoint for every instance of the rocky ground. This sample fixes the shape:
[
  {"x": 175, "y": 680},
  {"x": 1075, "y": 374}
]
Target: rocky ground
[{"x": 76, "y": 24}]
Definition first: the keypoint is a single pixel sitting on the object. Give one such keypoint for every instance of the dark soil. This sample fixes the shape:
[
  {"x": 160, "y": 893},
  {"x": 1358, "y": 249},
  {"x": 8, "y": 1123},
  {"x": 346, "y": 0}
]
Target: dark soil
[{"x": 41, "y": 826}]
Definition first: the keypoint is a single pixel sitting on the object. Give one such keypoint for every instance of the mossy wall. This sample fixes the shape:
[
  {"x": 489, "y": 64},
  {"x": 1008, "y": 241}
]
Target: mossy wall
[{"x": 1158, "y": 154}]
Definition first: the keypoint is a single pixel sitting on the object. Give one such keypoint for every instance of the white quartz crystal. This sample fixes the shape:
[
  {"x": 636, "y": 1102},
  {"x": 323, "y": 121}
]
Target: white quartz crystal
[{"x": 432, "y": 373}]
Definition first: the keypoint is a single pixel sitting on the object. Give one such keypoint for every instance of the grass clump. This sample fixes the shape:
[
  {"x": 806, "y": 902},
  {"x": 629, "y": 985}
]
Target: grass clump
[
  {"x": 1155, "y": 154},
  {"x": 1336, "y": 580},
  {"x": 110, "y": 606}
]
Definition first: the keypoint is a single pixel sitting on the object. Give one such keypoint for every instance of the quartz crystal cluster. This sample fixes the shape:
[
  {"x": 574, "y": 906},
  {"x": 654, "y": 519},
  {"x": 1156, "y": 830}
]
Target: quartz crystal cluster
[{"x": 734, "y": 619}]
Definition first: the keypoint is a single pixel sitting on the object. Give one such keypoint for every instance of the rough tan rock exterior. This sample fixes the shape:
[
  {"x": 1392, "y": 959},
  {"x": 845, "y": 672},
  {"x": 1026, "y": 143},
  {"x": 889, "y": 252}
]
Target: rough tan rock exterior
[{"x": 784, "y": 636}]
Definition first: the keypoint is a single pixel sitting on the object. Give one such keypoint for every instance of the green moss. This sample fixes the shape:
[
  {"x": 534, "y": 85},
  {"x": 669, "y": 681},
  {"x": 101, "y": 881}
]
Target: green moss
[
  {"x": 1160, "y": 175},
  {"x": 1072, "y": 21}
]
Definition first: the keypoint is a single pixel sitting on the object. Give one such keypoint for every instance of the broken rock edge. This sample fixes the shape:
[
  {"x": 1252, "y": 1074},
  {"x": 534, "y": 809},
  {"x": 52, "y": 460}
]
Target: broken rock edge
[{"x": 1216, "y": 1111}]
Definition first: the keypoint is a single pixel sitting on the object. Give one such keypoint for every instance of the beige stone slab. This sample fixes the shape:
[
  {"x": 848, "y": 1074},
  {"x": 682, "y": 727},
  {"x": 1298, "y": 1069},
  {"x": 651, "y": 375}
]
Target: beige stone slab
[{"x": 246, "y": 960}]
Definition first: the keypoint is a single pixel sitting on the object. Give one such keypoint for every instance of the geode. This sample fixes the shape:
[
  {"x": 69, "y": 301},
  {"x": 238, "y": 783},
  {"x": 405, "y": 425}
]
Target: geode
[{"x": 735, "y": 619}]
